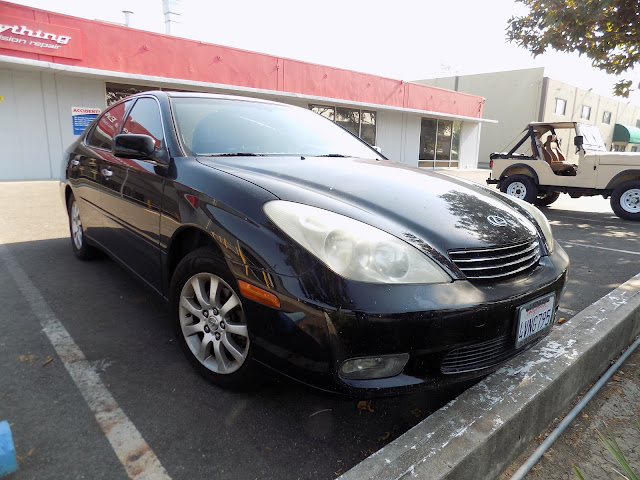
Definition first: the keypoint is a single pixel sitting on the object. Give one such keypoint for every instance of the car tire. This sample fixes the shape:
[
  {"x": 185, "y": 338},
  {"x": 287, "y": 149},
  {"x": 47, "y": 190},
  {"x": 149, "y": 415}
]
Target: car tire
[
  {"x": 210, "y": 324},
  {"x": 520, "y": 186},
  {"x": 81, "y": 248},
  {"x": 546, "y": 199},
  {"x": 625, "y": 200}
]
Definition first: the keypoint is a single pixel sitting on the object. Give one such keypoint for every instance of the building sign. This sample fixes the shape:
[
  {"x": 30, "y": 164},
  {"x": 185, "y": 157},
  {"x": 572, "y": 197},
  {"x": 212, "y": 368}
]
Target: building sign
[
  {"x": 81, "y": 117},
  {"x": 41, "y": 38}
]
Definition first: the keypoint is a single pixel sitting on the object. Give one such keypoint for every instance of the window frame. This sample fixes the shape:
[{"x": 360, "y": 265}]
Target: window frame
[
  {"x": 606, "y": 118},
  {"x": 157, "y": 102},
  {"x": 436, "y": 162},
  {"x": 564, "y": 106},
  {"x": 586, "y": 108}
]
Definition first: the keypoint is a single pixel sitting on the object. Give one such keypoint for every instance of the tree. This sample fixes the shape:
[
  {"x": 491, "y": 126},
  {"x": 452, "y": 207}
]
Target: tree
[{"x": 606, "y": 31}]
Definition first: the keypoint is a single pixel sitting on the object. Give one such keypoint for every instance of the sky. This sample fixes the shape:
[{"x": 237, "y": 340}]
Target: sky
[{"x": 401, "y": 39}]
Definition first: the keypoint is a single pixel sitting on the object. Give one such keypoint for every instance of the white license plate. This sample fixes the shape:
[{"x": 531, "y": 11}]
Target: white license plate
[{"x": 534, "y": 319}]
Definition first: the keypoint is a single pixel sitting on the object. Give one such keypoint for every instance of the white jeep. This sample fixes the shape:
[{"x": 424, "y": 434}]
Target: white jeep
[{"x": 541, "y": 174}]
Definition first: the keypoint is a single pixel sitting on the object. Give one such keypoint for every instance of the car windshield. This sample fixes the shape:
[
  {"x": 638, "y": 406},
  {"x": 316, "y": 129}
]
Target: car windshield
[
  {"x": 591, "y": 137},
  {"x": 227, "y": 127}
]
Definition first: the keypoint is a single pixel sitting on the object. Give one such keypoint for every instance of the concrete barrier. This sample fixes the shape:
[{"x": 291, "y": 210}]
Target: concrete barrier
[{"x": 481, "y": 432}]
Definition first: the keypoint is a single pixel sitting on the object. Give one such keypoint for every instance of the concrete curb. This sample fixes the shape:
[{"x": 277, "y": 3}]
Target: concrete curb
[{"x": 481, "y": 432}]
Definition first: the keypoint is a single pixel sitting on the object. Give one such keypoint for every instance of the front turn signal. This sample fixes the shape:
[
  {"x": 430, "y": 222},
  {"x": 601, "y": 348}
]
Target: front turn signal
[{"x": 258, "y": 294}]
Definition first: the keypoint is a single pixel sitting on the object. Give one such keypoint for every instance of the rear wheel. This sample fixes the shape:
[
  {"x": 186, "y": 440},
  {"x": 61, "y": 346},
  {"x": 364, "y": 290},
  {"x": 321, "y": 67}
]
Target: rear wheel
[
  {"x": 546, "y": 199},
  {"x": 81, "y": 249},
  {"x": 210, "y": 321},
  {"x": 625, "y": 200},
  {"x": 520, "y": 186}
]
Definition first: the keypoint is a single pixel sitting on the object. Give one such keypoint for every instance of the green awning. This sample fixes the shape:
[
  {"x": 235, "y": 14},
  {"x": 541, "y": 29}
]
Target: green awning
[{"x": 626, "y": 134}]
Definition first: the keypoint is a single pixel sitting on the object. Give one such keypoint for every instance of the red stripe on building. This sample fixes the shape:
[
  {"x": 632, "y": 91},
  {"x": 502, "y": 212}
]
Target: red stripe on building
[{"x": 122, "y": 49}]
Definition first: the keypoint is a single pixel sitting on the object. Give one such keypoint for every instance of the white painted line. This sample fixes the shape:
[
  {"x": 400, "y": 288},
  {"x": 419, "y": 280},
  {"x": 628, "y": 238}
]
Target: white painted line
[
  {"x": 578, "y": 244},
  {"x": 585, "y": 220},
  {"x": 132, "y": 450}
]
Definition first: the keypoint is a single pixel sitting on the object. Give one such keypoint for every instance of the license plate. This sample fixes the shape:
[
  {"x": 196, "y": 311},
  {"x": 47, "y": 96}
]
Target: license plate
[{"x": 534, "y": 319}]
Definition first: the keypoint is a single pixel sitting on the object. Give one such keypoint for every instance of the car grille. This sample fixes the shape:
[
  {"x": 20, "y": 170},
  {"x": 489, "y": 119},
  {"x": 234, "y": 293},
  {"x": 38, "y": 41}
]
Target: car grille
[
  {"x": 496, "y": 263},
  {"x": 478, "y": 356}
]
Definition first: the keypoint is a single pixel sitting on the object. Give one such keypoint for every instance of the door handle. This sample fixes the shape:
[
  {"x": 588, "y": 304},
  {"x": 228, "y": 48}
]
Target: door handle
[{"x": 106, "y": 172}]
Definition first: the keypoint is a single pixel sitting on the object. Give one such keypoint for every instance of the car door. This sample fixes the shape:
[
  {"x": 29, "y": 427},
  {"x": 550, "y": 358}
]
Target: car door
[
  {"x": 133, "y": 196},
  {"x": 86, "y": 169}
]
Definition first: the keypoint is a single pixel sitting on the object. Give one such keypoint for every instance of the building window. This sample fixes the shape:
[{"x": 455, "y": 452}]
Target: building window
[
  {"x": 439, "y": 143},
  {"x": 362, "y": 123},
  {"x": 606, "y": 118},
  {"x": 619, "y": 147},
  {"x": 637, "y": 123},
  {"x": 561, "y": 106},
  {"x": 118, "y": 91},
  {"x": 634, "y": 148},
  {"x": 586, "y": 112}
]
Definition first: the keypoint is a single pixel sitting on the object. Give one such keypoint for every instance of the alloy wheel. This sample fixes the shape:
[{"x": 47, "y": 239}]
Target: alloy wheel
[
  {"x": 213, "y": 323},
  {"x": 76, "y": 226}
]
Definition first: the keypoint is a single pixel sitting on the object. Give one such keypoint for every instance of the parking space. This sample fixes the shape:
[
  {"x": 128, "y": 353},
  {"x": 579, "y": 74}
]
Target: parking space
[{"x": 194, "y": 429}]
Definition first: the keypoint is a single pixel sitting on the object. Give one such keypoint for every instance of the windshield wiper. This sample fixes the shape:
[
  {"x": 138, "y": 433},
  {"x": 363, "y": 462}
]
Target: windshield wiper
[{"x": 333, "y": 155}]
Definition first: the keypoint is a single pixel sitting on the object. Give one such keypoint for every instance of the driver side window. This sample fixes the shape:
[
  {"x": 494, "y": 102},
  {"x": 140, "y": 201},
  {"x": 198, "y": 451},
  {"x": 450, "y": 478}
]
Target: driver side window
[{"x": 144, "y": 119}]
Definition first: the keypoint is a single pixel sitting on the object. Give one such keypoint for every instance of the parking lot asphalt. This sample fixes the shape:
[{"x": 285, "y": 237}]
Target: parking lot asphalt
[{"x": 193, "y": 429}]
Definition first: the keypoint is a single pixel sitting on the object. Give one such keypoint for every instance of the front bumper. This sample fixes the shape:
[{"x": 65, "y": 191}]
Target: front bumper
[{"x": 325, "y": 319}]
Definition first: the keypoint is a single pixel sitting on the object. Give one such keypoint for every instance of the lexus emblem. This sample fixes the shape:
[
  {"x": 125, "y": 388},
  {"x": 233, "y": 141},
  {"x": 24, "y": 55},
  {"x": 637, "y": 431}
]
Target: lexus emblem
[{"x": 497, "y": 221}]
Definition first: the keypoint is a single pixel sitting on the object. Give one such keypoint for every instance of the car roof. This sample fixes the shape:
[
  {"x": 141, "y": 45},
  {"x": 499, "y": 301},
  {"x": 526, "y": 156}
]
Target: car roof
[{"x": 220, "y": 96}]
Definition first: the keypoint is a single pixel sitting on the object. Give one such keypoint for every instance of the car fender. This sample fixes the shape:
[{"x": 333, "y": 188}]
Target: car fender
[
  {"x": 622, "y": 177},
  {"x": 522, "y": 169}
]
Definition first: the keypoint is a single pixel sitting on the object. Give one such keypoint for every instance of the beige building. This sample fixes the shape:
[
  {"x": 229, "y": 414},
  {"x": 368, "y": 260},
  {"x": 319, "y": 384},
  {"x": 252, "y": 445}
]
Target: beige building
[{"x": 518, "y": 97}]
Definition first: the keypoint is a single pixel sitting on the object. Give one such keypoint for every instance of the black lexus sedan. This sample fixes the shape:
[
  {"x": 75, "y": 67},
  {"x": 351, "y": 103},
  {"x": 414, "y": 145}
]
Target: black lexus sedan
[{"x": 281, "y": 240}]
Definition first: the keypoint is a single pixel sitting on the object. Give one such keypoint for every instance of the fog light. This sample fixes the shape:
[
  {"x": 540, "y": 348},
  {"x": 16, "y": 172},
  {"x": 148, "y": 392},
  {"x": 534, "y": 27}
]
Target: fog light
[{"x": 382, "y": 366}]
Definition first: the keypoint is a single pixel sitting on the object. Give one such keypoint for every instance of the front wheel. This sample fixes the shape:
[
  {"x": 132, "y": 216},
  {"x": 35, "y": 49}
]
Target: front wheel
[
  {"x": 625, "y": 200},
  {"x": 210, "y": 321},
  {"x": 520, "y": 186}
]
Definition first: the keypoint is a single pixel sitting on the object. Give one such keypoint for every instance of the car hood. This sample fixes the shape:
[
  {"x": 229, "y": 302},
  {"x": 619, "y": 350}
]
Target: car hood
[{"x": 423, "y": 208}]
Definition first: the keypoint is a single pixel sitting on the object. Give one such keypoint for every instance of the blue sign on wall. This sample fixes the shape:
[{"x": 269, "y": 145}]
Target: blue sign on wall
[{"x": 81, "y": 117}]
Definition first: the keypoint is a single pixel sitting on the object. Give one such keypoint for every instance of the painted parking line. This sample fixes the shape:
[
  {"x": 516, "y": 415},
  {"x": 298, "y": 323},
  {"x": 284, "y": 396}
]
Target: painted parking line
[
  {"x": 578, "y": 244},
  {"x": 131, "y": 449},
  {"x": 613, "y": 218}
]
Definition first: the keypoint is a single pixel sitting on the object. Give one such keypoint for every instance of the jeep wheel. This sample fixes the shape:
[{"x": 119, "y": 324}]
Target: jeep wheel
[
  {"x": 520, "y": 186},
  {"x": 546, "y": 199},
  {"x": 625, "y": 200}
]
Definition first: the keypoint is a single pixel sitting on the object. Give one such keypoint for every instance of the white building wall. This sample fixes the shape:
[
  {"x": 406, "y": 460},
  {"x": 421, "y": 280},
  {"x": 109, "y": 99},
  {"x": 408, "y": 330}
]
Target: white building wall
[
  {"x": 469, "y": 145},
  {"x": 24, "y": 151},
  {"x": 511, "y": 97},
  {"x": 36, "y": 120}
]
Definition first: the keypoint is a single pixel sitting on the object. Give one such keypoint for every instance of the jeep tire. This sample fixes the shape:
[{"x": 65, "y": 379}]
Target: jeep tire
[
  {"x": 520, "y": 186},
  {"x": 625, "y": 200}
]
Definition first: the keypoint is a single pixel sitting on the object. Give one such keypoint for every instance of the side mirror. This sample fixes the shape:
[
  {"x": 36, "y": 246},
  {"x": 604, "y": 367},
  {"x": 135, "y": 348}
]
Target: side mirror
[
  {"x": 578, "y": 141},
  {"x": 134, "y": 146}
]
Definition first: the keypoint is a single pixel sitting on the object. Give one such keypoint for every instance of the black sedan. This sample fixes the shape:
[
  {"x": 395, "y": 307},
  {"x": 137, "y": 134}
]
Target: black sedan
[{"x": 281, "y": 240}]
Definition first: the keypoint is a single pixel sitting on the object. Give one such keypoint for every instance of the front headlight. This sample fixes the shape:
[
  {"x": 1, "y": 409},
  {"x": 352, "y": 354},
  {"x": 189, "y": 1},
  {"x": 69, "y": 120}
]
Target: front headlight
[
  {"x": 541, "y": 220},
  {"x": 353, "y": 249}
]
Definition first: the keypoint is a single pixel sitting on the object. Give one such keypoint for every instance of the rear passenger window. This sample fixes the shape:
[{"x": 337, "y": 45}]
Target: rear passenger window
[
  {"x": 108, "y": 126},
  {"x": 145, "y": 119}
]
